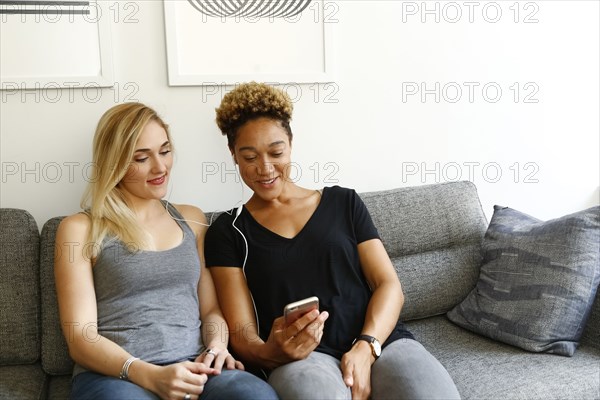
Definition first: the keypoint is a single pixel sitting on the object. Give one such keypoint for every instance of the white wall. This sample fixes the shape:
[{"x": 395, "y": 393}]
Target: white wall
[{"x": 376, "y": 135}]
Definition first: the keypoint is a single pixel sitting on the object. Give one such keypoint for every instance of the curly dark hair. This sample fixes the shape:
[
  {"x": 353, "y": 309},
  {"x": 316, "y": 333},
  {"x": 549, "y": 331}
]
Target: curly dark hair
[{"x": 250, "y": 101}]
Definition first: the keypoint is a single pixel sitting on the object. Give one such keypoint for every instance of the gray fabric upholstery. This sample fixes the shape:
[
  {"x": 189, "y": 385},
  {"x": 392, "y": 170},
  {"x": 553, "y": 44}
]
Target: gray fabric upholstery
[
  {"x": 433, "y": 282},
  {"x": 591, "y": 334},
  {"x": 19, "y": 288},
  {"x": 22, "y": 382},
  {"x": 537, "y": 282},
  {"x": 485, "y": 369},
  {"x": 55, "y": 354},
  {"x": 433, "y": 235},
  {"x": 59, "y": 387},
  {"x": 425, "y": 218}
]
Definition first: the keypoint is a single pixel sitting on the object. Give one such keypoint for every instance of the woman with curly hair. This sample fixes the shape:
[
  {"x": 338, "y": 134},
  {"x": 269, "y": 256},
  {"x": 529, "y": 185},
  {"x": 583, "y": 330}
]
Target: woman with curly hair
[
  {"x": 288, "y": 243},
  {"x": 137, "y": 305}
]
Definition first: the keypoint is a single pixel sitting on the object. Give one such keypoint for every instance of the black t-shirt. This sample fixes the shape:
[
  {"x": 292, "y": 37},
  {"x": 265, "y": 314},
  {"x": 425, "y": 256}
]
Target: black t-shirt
[{"x": 321, "y": 260}]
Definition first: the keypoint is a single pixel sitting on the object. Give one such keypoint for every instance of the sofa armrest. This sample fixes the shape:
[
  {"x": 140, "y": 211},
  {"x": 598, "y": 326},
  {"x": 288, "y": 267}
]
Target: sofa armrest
[
  {"x": 591, "y": 334},
  {"x": 19, "y": 288}
]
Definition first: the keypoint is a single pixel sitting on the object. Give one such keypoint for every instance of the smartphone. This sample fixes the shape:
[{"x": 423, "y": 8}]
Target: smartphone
[{"x": 295, "y": 310}]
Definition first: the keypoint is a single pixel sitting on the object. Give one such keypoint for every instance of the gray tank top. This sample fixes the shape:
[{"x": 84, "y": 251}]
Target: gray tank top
[{"x": 148, "y": 300}]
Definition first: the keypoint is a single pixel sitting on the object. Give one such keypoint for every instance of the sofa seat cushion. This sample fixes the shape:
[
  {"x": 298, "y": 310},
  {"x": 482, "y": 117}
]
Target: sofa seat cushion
[
  {"x": 59, "y": 387},
  {"x": 485, "y": 369},
  {"x": 22, "y": 382}
]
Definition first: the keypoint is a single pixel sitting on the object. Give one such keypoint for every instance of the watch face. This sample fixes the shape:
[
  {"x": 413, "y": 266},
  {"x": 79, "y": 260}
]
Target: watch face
[{"x": 376, "y": 347}]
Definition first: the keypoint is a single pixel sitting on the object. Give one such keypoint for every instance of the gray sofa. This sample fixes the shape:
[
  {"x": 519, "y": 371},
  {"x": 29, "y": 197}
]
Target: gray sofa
[{"x": 438, "y": 264}]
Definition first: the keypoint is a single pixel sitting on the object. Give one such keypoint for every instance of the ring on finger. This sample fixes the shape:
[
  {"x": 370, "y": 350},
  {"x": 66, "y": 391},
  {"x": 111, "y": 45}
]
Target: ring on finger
[
  {"x": 187, "y": 396},
  {"x": 211, "y": 351}
]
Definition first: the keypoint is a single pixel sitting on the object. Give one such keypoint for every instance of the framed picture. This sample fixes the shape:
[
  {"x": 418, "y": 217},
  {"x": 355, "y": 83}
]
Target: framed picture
[
  {"x": 55, "y": 44},
  {"x": 230, "y": 41}
]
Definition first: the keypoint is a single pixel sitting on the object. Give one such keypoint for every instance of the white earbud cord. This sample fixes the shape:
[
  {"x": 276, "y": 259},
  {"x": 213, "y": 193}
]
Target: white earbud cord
[
  {"x": 212, "y": 214},
  {"x": 237, "y": 214}
]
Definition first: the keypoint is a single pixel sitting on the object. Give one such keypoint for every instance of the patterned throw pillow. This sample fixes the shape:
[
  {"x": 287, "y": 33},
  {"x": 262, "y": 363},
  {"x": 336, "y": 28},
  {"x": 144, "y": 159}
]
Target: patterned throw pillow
[{"x": 537, "y": 282}]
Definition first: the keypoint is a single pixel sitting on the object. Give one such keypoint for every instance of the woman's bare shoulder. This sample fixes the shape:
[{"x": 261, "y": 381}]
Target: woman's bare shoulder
[{"x": 194, "y": 217}]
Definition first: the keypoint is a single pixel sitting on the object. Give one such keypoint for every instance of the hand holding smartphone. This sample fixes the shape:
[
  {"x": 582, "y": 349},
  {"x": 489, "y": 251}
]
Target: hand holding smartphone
[{"x": 295, "y": 310}]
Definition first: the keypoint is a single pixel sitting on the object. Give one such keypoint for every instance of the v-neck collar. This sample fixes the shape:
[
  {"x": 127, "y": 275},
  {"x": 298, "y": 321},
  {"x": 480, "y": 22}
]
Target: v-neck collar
[{"x": 308, "y": 222}]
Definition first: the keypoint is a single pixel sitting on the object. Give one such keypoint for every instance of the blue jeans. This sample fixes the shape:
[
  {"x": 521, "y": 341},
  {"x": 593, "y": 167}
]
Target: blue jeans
[
  {"x": 230, "y": 384},
  {"x": 405, "y": 370}
]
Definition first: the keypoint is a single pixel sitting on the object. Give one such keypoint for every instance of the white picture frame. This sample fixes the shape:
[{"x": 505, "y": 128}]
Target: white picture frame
[
  {"x": 63, "y": 44},
  {"x": 210, "y": 57}
]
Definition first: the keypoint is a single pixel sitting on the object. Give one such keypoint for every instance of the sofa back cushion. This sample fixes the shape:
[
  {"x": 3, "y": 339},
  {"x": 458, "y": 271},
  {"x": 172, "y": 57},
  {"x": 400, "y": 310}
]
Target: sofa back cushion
[
  {"x": 55, "y": 354},
  {"x": 433, "y": 235},
  {"x": 19, "y": 288}
]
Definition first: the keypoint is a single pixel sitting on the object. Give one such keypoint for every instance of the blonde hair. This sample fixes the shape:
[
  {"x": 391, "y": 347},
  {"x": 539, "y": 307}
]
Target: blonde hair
[
  {"x": 114, "y": 145},
  {"x": 249, "y": 101}
]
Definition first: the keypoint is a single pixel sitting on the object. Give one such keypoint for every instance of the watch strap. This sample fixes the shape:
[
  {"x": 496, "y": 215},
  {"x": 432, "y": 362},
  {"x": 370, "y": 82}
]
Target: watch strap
[
  {"x": 366, "y": 338},
  {"x": 371, "y": 340}
]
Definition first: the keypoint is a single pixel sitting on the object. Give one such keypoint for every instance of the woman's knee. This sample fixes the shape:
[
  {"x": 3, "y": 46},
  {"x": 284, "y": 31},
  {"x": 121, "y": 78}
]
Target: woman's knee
[
  {"x": 93, "y": 386},
  {"x": 318, "y": 376},
  {"x": 236, "y": 384},
  {"x": 407, "y": 369}
]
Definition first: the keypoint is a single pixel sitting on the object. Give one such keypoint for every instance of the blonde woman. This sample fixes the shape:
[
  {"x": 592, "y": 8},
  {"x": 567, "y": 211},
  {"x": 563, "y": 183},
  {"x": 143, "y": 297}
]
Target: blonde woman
[{"x": 137, "y": 306}]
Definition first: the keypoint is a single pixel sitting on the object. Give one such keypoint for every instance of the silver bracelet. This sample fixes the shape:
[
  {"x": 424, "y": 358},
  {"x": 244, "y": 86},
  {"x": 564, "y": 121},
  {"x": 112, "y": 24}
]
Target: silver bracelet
[{"x": 125, "y": 369}]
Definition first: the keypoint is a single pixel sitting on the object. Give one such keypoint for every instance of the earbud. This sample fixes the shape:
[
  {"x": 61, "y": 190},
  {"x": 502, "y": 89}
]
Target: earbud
[{"x": 239, "y": 211}]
